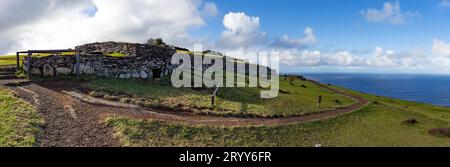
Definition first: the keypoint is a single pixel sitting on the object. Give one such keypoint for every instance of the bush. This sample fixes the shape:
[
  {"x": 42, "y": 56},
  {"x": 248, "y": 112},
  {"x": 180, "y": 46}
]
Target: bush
[
  {"x": 410, "y": 121},
  {"x": 157, "y": 41}
]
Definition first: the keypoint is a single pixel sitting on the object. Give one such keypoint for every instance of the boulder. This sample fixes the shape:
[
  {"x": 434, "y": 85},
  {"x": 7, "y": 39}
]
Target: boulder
[
  {"x": 82, "y": 65},
  {"x": 143, "y": 74},
  {"x": 48, "y": 70},
  {"x": 125, "y": 76},
  {"x": 63, "y": 70},
  {"x": 36, "y": 71},
  {"x": 88, "y": 69},
  {"x": 150, "y": 74},
  {"x": 136, "y": 74}
]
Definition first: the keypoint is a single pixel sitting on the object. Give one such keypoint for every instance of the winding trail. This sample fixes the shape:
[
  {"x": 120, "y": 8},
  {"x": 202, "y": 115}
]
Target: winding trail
[{"x": 74, "y": 119}]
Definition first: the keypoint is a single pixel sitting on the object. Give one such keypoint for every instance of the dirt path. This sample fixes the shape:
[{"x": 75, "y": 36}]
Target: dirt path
[
  {"x": 68, "y": 122},
  {"x": 72, "y": 121}
]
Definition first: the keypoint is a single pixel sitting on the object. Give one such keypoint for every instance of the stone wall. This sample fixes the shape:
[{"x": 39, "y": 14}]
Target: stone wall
[
  {"x": 129, "y": 49},
  {"x": 126, "y": 67},
  {"x": 140, "y": 61}
]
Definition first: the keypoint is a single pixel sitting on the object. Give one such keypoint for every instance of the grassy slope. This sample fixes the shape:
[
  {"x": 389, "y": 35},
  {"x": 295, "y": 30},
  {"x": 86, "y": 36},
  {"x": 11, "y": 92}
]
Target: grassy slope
[
  {"x": 8, "y": 60},
  {"x": 374, "y": 125},
  {"x": 18, "y": 121},
  {"x": 298, "y": 101}
]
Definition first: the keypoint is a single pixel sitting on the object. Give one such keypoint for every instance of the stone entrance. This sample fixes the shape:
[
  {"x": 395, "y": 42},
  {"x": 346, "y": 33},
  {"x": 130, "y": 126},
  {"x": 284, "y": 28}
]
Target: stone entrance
[{"x": 156, "y": 73}]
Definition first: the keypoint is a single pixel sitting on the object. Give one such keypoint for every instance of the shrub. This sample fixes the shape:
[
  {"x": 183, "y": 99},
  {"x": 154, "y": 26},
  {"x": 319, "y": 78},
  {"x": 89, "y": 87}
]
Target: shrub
[
  {"x": 411, "y": 121},
  {"x": 157, "y": 41}
]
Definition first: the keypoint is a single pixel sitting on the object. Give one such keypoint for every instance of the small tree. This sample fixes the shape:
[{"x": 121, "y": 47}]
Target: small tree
[{"x": 156, "y": 41}]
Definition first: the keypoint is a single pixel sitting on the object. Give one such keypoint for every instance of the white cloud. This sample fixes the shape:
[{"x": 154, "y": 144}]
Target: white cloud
[
  {"x": 242, "y": 31},
  {"x": 441, "y": 48},
  {"x": 48, "y": 24},
  {"x": 444, "y": 3},
  {"x": 286, "y": 42},
  {"x": 441, "y": 63},
  {"x": 441, "y": 57},
  {"x": 240, "y": 23},
  {"x": 210, "y": 9},
  {"x": 295, "y": 57},
  {"x": 380, "y": 58},
  {"x": 390, "y": 59},
  {"x": 391, "y": 13},
  {"x": 341, "y": 58},
  {"x": 304, "y": 58}
]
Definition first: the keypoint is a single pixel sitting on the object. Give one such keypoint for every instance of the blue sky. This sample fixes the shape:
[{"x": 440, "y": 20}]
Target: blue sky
[
  {"x": 342, "y": 26},
  {"x": 383, "y": 36}
]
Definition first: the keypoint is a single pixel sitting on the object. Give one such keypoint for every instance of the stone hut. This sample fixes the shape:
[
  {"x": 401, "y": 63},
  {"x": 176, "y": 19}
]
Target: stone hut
[{"x": 138, "y": 61}]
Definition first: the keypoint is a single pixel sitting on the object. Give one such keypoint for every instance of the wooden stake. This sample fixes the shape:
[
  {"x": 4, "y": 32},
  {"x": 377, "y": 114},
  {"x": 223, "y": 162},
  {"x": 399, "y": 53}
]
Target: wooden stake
[
  {"x": 319, "y": 100},
  {"x": 77, "y": 65},
  {"x": 29, "y": 65},
  {"x": 18, "y": 61}
]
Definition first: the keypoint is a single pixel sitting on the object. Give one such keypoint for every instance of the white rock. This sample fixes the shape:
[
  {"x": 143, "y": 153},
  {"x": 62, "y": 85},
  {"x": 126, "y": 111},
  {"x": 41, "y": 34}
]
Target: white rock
[
  {"x": 48, "y": 70},
  {"x": 143, "y": 75},
  {"x": 136, "y": 74},
  {"x": 63, "y": 70}
]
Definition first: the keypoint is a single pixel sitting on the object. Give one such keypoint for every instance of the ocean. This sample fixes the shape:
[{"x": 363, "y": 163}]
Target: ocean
[{"x": 433, "y": 89}]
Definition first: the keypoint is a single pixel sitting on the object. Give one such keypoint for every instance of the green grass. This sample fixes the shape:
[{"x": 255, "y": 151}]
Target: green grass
[
  {"x": 115, "y": 54},
  {"x": 18, "y": 121},
  {"x": 374, "y": 125},
  {"x": 185, "y": 52},
  {"x": 50, "y": 54},
  {"x": 9, "y": 60},
  {"x": 230, "y": 101}
]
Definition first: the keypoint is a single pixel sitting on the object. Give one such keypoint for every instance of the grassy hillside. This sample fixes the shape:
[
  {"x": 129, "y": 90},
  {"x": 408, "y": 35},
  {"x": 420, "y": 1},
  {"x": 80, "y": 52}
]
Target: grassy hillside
[
  {"x": 378, "y": 124},
  {"x": 18, "y": 121},
  {"x": 298, "y": 97},
  {"x": 8, "y": 60}
]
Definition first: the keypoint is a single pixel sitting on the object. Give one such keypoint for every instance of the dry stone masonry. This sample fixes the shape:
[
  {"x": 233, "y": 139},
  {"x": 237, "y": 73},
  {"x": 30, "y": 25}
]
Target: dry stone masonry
[{"x": 139, "y": 61}]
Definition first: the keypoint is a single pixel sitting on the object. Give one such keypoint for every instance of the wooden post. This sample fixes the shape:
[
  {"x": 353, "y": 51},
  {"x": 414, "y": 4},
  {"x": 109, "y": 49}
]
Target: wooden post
[
  {"x": 213, "y": 96},
  {"x": 77, "y": 65},
  {"x": 18, "y": 61},
  {"x": 319, "y": 101},
  {"x": 29, "y": 65}
]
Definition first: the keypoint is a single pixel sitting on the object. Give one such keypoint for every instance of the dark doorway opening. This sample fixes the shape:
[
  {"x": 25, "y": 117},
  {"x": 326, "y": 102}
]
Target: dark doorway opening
[{"x": 156, "y": 73}]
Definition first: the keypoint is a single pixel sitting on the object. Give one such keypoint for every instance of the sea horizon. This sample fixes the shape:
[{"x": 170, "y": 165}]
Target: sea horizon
[{"x": 423, "y": 88}]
